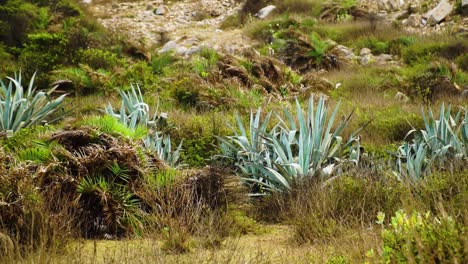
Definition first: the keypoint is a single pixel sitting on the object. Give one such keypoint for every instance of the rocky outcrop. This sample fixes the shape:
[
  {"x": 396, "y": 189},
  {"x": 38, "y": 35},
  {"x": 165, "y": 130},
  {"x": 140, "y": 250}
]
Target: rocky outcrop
[{"x": 152, "y": 23}]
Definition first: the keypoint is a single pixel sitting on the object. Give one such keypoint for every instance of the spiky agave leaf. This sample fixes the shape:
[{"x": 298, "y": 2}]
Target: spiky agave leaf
[{"x": 161, "y": 144}]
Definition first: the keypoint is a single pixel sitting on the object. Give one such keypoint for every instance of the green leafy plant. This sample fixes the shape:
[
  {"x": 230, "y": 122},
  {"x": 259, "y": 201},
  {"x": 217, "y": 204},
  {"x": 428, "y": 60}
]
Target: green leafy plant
[
  {"x": 20, "y": 108},
  {"x": 117, "y": 208},
  {"x": 319, "y": 48}
]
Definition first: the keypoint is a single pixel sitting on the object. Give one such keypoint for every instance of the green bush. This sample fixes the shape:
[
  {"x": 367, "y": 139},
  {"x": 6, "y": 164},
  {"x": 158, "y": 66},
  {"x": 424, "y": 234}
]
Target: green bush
[
  {"x": 462, "y": 62},
  {"x": 375, "y": 45},
  {"x": 389, "y": 124},
  {"x": 99, "y": 59},
  {"x": 198, "y": 151},
  {"x": 81, "y": 82},
  {"x": 17, "y": 19},
  {"x": 140, "y": 73},
  {"x": 160, "y": 62},
  {"x": 444, "y": 190},
  {"x": 423, "y": 238},
  {"x": 43, "y": 52}
]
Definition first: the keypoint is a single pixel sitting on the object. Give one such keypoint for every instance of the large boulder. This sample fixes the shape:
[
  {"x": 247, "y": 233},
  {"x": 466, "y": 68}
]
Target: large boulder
[{"x": 438, "y": 13}]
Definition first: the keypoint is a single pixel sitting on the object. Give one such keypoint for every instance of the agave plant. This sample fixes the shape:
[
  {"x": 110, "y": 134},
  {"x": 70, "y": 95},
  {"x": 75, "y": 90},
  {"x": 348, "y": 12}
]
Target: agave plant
[
  {"x": 292, "y": 149},
  {"x": 442, "y": 139},
  {"x": 448, "y": 130},
  {"x": 20, "y": 108},
  {"x": 134, "y": 113},
  {"x": 161, "y": 144}
]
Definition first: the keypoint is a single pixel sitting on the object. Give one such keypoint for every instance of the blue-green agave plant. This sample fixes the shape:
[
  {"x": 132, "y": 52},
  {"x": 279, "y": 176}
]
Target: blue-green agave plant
[
  {"x": 309, "y": 145},
  {"x": 20, "y": 108}
]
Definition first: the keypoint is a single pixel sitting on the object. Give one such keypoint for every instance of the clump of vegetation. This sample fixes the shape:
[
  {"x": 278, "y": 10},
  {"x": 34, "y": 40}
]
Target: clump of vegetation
[{"x": 71, "y": 171}]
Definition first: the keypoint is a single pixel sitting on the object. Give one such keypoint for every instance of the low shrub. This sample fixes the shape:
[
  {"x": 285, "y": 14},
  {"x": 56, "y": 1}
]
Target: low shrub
[
  {"x": 99, "y": 59},
  {"x": 423, "y": 238},
  {"x": 390, "y": 125},
  {"x": 43, "y": 52}
]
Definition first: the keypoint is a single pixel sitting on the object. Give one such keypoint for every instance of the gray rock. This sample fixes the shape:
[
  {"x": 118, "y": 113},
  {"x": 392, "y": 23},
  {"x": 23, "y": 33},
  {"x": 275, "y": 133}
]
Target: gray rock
[
  {"x": 366, "y": 59},
  {"x": 383, "y": 59},
  {"x": 264, "y": 12},
  {"x": 169, "y": 46},
  {"x": 464, "y": 95},
  {"x": 414, "y": 20},
  {"x": 365, "y": 51},
  {"x": 161, "y": 10},
  {"x": 390, "y": 5},
  {"x": 193, "y": 50},
  {"x": 438, "y": 13},
  {"x": 181, "y": 50},
  {"x": 464, "y": 3},
  {"x": 346, "y": 52}
]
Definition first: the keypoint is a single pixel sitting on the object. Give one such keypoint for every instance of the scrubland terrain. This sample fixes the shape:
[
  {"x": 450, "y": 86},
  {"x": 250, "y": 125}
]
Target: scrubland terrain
[{"x": 228, "y": 131}]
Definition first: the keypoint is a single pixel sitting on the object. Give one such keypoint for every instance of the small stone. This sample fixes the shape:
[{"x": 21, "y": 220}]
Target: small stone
[
  {"x": 383, "y": 59},
  {"x": 365, "y": 51},
  {"x": 401, "y": 97},
  {"x": 161, "y": 10},
  {"x": 414, "y": 20},
  {"x": 366, "y": 59},
  {"x": 193, "y": 50},
  {"x": 264, "y": 12},
  {"x": 181, "y": 50},
  {"x": 346, "y": 52}
]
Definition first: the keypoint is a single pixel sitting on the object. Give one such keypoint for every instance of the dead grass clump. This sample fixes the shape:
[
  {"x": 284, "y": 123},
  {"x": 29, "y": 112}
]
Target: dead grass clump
[
  {"x": 93, "y": 183},
  {"x": 25, "y": 225},
  {"x": 194, "y": 206},
  {"x": 267, "y": 72},
  {"x": 320, "y": 212}
]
